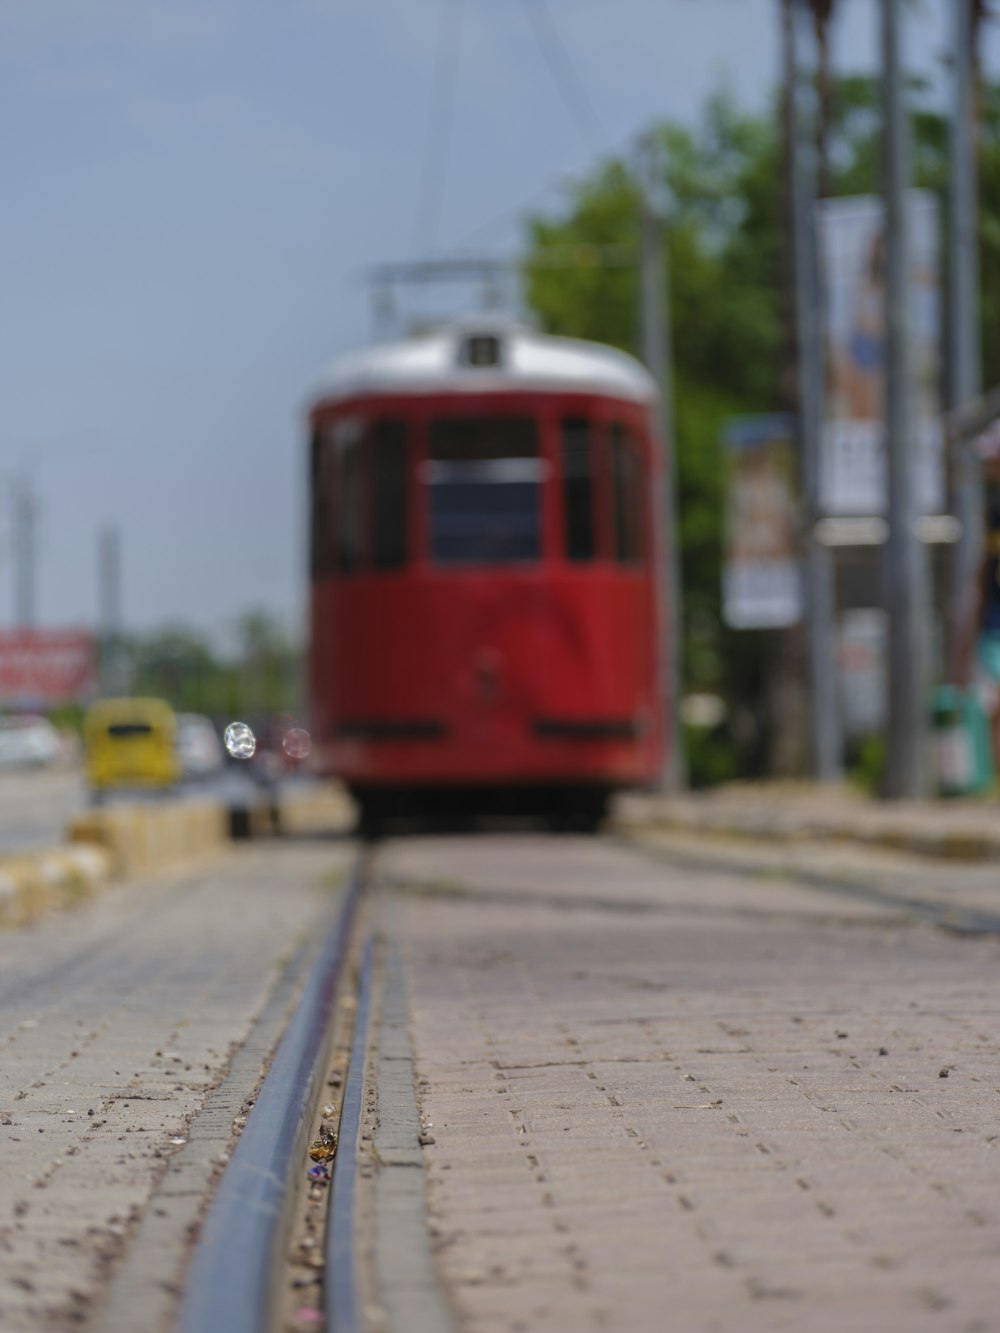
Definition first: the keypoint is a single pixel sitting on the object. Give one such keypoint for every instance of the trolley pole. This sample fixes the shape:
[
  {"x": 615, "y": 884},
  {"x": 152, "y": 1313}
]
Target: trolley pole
[
  {"x": 964, "y": 370},
  {"x": 817, "y": 564},
  {"x": 907, "y": 584},
  {"x": 656, "y": 350}
]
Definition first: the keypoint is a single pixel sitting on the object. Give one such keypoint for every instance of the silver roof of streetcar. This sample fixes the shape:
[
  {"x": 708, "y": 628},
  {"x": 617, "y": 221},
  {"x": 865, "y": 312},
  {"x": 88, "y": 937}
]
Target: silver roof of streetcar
[{"x": 444, "y": 359}]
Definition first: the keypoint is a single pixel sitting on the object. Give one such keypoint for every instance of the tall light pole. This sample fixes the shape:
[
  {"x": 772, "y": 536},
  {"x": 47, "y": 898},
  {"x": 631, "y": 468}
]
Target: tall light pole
[
  {"x": 964, "y": 371},
  {"x": 656, "y": 351},
  {"x": 907, "y": 583},
  {"x": 109, "y": 599},
  {"x": 817, "y": 563},
  {"x": 25, "y": 514}
]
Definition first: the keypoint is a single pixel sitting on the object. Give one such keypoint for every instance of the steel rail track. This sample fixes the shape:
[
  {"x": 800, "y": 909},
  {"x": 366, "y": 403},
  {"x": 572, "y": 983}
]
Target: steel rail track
[
  {"x": 956, "y": 918},
  {"x": 235, "y": 1279},
  {"x": 343, "y": 1298}
]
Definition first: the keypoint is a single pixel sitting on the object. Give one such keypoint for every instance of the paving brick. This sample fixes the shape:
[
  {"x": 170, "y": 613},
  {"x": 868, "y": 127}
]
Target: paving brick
[
  {"x": 118, "y": 1019},
  {"x": 658, "y": 1099}
]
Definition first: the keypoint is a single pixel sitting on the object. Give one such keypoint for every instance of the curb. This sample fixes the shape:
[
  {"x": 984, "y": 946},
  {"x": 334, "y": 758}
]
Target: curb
[
  {"x": 143, "y": 840},
  {"x": 960, "y": 839},
  {"x": 120, "y": 842}
]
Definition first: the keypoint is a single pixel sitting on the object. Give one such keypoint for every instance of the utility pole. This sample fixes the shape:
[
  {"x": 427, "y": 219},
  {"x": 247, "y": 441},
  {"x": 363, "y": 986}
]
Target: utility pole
[
  {"x": 817, "y": 564},
  {"x": 109, "y": 599},
  {"x": 654, "y": 321},
  {"x": 964, "y": 369},
  {"x": 907, "y": 584},
  {"x": 25, "y": 513}
]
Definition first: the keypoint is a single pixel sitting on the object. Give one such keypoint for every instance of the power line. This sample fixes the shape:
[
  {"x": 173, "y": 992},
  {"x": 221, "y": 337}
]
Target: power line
[
  {"x": 515, "y": 211},
  {"x": 573, "y": 89},
  {"x": 434, "y": 171}
]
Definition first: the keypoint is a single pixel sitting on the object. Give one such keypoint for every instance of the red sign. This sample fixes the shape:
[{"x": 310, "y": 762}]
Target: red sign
[{"x": 50, "y": 666}]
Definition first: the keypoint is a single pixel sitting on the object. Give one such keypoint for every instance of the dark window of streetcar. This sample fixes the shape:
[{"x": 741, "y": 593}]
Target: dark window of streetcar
[
  {"x": 319, "y": 508},
  {"x": 349, "y": 442},
  {"x": 626, "y": 478},
  {"x": 391, "y": 533},
  {"x": 483, "y": 476},
  {"x": 578, "y": 489}
]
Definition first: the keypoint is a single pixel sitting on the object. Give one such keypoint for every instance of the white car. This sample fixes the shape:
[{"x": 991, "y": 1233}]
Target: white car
[
  {"x": 27, "y": 741},
  {"x": 198, "y": 746}
]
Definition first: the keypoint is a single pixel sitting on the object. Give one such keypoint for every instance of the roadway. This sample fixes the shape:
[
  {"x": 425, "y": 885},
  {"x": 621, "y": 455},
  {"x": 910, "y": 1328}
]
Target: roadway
[{"x": 36, "y": 804}]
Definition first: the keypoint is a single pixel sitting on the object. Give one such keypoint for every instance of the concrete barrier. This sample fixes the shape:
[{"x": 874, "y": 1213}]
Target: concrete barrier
[
  {"x": 44, "y": 881},
  {"x": 149, "y": 839},
  {"x": 315, "y": 809},
  {"x": 141, "y": 839}
]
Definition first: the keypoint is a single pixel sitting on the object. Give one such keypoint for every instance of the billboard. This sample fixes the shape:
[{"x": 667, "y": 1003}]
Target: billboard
[
  {"x": 45, "y": 666},
  {"x": 761, "y": 583},
  {"x": 853, "y": 474}
]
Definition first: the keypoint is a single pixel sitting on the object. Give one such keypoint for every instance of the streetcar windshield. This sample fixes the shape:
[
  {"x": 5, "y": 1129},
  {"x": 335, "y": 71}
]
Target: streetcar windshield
[{"x": 483, "y": 477}]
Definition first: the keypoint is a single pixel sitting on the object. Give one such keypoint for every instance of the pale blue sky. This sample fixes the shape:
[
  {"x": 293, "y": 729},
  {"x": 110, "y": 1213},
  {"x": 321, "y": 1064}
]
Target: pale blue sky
[{"x": 191, "y": 188}]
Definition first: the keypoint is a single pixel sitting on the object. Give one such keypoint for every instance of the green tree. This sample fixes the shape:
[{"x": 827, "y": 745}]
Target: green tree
[{"x": 262, "y": 679}]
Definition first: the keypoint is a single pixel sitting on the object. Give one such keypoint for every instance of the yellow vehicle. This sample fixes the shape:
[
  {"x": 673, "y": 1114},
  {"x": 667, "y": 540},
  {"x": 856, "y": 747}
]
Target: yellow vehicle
[{"x": 131, "y": 743}]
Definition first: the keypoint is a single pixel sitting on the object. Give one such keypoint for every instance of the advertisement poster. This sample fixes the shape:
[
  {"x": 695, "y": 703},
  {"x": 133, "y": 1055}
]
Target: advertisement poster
[
  {"x": 46, "y": 666},
  {"x": 762, "y": 586},
  {"x": 853, "y": 475}
]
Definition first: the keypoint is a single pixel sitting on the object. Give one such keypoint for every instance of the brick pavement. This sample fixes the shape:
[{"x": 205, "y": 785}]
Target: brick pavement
[
  {"x": 119, "y": 1019},
  {"x": 680, "y": 1099}
]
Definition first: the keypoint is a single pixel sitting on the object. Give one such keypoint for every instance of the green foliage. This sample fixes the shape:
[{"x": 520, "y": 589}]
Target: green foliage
[
  {"x": 711, "y": 757},
  {"x": 869, "y": 765},
  {"x": 178, "y": 665}
]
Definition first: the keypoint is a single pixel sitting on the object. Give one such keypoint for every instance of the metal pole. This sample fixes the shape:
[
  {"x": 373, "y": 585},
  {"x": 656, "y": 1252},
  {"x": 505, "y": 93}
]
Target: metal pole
[
  {"x": 964, "y": 368},
  {"x": 906, "y": 581},
  {"x": 110, "y": 609},
  {"x": 25, "y": 514},
  {"x": 656, "y": 352},
  {"x": 824, "y": 719}
]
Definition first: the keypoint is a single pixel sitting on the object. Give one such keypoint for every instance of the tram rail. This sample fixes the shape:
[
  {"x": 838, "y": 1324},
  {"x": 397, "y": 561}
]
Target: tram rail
[
  {"x": 955, "y": 917},
  {"x": 240, "y": 1270}
]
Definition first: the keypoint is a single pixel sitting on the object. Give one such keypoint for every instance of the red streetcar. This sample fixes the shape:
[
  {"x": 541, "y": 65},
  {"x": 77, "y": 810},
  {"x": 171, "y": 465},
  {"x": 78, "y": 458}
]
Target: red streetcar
[{"x": 485, "y": 586}]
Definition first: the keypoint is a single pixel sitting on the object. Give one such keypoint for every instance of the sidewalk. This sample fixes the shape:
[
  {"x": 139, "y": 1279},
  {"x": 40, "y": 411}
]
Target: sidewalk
[
  {"x": 662, "y": 1098},
  {"x": 961, "y": 830}
]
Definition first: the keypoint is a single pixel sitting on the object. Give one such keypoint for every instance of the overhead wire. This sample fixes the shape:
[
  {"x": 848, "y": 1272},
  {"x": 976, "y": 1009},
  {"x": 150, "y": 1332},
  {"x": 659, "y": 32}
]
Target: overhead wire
[
  {"x": 556, "y": 55},
  {"x": 573, "y": 90},
  {"x": 441, "y": 115},
  {"x": 568, "y": 82}
]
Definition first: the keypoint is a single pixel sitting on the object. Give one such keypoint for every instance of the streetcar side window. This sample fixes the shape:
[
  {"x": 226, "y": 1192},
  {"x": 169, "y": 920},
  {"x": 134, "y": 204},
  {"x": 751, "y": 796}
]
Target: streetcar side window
[
  {"x": 483, "y": 477},
  {"x": 391, "y": 538},
  {"x": 628, "y": 499},
  {"x": 349, "y": 501},
  {"x": 578, "y": 489},
  {"x": 322, "y": 541},
  {"x": 316, "y": 524}
]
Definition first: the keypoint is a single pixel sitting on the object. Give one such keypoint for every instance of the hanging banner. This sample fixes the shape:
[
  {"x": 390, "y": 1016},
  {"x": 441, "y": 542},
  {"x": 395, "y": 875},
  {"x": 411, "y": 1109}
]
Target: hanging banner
[
  {"x": 853, "y": 473},
  {"x": 46, "y": 666},
  {"x": 761, "y": 583}
]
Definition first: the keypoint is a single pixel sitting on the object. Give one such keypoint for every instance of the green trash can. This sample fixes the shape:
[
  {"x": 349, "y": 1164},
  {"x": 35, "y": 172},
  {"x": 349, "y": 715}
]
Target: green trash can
[{"x": 963, "y": 753}]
